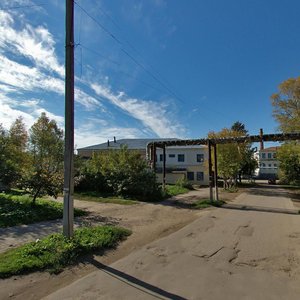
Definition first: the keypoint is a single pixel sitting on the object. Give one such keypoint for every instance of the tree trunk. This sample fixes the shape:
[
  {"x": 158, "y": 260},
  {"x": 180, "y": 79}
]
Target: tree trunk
[{"x": 35, "y": 195}]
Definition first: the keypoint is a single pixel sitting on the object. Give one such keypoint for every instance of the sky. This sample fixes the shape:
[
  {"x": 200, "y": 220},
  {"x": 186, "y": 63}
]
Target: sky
[{"x": 150, "y": 68}]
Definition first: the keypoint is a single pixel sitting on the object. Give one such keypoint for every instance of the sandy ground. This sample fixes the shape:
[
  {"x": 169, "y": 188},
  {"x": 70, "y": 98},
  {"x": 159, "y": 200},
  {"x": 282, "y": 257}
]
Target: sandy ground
[
  {"x": 249, "y": 249},
  {"x": 148, "y": 222}
]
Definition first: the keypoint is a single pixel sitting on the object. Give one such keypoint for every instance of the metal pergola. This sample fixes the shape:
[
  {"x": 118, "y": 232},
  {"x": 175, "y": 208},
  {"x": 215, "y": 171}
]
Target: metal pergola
[{"x": 212, "y": 143}]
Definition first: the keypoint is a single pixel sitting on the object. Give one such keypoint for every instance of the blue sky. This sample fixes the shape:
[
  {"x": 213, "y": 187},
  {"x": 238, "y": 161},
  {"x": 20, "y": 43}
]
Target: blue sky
[{"x": 151, "y": 68}]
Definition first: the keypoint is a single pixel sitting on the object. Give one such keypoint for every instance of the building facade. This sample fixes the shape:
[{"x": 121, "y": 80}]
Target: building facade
[
  {"x": 182, "y": 162},
  {"x": 268, "y": 165}
]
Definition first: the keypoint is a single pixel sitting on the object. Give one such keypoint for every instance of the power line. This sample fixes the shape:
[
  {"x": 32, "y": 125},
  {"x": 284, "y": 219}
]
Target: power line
[
  {"x": 129, "y": 55},
  {"x": 139, "y": 64},
  {"x": 120, "y": 71},
  {"x": 99, "y": 24}
]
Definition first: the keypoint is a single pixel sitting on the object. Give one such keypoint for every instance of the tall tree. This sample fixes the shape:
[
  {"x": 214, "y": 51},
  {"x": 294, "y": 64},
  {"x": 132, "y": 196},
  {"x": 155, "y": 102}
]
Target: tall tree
[
  {"x": 229, "y": 156},
  {"x": 46, "y": 147},
  {"x": 239, "y": 127},
  {"x": 286, "y": 105},
  {"x": 286, "y": 111}
]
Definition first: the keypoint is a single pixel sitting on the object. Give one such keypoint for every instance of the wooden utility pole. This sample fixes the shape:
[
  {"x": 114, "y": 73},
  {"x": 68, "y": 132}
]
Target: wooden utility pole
[
  {"x": 164, "y": 167},
  {"x": 210, "y": 172},
  {"x": 68, "y": 214},
  {"x": 216, "y": 173}
]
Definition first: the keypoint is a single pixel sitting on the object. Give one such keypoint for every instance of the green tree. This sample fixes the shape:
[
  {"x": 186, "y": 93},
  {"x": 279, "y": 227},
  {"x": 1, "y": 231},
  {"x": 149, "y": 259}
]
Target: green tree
[
  {"x": 239, "y": 127},
  {"x": 288, "y": 156},
  {"x": 122, "y": 172},
  {"x": 13, "y": 156},
  {"x": 45, "y": 176},
  {"x": 18, "y": 139},
  {"x": 229, "y": 156},
  {"x": 286, "y": 105},
  {"x": 286, "y": 111},
  {"x": 248, "y": 163}
]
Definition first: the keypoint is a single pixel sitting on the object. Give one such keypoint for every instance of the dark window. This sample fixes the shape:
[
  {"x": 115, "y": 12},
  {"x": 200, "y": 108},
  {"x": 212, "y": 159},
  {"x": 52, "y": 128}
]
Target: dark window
[
  {"x": 275, "y": 165},
  {"x": 274, "y": 155},
  {"x": 171, "y": 155},
  {"x": 269, "y": 155},
  {"x": 263, "y": 155},
  {"x": 190, "y": 175},
  {"x": 270, "y": 165},
  {"x": 200, "y": 176},
  {"x": 181, "y": 157},
  {"x": 200, "y": 157},
  {"x": 161, "y": 157}
]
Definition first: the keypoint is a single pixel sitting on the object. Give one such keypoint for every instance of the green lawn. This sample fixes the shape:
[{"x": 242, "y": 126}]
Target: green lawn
[
  {"x": 102, "y": 198},
  {"x": 204, "y": 203},
  {"x": 18, "y": 209},
  {"x": 56, "y": 251},
  {"x": 173, "y": 190}
]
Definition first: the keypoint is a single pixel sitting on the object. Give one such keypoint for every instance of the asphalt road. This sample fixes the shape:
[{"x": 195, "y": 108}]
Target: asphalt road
[{"x": 249, "y": 249}]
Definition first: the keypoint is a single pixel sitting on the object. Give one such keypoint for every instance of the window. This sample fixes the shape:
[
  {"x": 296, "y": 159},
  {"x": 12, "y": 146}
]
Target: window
[
  {"x": 274, "y": 155},
  {"x": 200, "y": 157},
  {"x": 275, "y": 166},
  {"x": 190, "y": 175},
  {"x": 263, "y": 155},
  {"x": 172, "y": 155},
  {"x": 270, "y": 166},
  {"x": 161, "y": 157},
  {"x": 263, "y": 165},
  {"x": 181, "y": 157},
  {"x": 200, "y": 176},
  {"x": 269, "y": 155}
]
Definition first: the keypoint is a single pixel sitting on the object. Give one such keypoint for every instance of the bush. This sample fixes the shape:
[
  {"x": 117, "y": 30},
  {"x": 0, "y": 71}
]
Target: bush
[
  {"x": 120, "y": 172},
  {"x": 183, "y": 182}
]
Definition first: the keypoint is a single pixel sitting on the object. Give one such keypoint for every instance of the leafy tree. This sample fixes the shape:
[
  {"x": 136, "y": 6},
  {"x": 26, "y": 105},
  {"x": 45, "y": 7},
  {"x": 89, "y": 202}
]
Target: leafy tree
[
  {"x": 286, "y": 105},
  {"x": 229, "y": 156},
  {"x": 248, "y": 163},
  {"x": 122, "y": 172},
  {"x": 289, "y": 157},
  {"x": 239, "y": 127},
  {"x": 45, "y": 176},
  {"x": 18, "y": 139},
  {"x": 286, "y": 111},
  {"x": 13, "y": 156}
]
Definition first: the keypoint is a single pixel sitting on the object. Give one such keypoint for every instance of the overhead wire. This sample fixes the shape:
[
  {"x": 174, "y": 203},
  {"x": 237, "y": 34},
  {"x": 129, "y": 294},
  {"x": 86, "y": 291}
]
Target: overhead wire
[
  {"x": 128, "y": 54},
  {"x": 139, "y": 64}
]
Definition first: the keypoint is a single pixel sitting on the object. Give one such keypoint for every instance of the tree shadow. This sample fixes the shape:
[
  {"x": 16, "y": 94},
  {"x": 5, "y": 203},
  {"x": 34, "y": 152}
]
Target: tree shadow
[
  {"x": 260, "y": 209},
  {"x": 135, "y": 282}
]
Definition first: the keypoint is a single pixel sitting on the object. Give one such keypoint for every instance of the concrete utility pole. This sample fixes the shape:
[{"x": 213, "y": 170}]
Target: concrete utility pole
[{"x": 68, "y": 215}]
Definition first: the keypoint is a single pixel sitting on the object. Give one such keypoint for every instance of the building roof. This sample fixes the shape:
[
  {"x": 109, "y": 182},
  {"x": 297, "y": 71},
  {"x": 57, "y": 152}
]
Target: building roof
[
  {"x": 270, "y": 149},
  {"x": 133, "y": 144}
]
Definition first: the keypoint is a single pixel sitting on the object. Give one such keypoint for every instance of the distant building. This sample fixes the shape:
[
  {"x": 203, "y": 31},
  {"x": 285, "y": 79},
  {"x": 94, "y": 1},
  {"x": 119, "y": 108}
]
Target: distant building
[
  {"x": 189, "y": 162},
  {"x": 268, "y": 165}
]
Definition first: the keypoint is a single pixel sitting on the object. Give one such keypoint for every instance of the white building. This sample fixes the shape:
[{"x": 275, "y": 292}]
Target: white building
[
  {"x": 188, "y": 162},
  {"x": 268, "y": 165},
  {"x": 184, "y": 162}
]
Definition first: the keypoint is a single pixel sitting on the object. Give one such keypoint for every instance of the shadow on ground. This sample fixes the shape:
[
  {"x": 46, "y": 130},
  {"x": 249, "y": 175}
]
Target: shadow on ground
[{"x": 135, "y": 282}]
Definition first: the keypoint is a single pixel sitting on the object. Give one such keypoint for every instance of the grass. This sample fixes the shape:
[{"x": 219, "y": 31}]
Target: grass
[
  {"x": 97, "y": 197},
  {"x": 18, "y": 210},
  {"x": 204, "y": 203},
  {"x": 56, "y": 251},
  {"x": 173, "y": 190}
]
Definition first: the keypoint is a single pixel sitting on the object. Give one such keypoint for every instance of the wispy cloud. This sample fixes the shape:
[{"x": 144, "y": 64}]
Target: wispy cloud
[
  {"x": 32, "y": 65},
  {"x": 153, "y": 115},
  {"x": 92, "y": 133}
]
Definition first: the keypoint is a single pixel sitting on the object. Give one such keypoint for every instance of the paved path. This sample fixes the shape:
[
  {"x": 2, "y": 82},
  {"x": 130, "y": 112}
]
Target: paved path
[{"x": 249, "y": 251}]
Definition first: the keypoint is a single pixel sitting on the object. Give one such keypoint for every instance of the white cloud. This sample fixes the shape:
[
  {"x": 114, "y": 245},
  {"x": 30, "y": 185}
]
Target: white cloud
[
  {"x": 153, "y": 115},
  {"x": 36, "y": 44},
  {"x": 88, "y": 134}
]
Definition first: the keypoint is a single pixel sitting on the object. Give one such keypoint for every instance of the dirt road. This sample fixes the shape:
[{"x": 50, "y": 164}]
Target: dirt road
[
  {"x": 147, "y": 221},
  {"x": 247, "y": 250}
]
